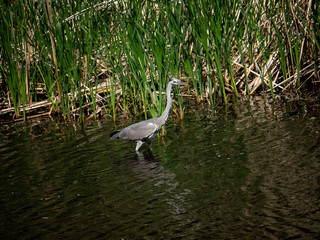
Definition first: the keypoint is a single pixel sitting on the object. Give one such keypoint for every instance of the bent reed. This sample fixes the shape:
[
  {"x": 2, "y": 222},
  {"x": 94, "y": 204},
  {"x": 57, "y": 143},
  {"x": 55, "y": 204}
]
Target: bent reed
[{"x": 78, "y": 59}]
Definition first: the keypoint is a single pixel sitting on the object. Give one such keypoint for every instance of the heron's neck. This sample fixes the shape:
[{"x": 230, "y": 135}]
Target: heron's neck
[{"x": 166, "y": 111}]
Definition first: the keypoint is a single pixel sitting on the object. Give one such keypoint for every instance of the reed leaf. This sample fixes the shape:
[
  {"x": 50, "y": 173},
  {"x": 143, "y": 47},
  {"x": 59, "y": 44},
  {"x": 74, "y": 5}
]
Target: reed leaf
[{"x": 219, "y": 47}]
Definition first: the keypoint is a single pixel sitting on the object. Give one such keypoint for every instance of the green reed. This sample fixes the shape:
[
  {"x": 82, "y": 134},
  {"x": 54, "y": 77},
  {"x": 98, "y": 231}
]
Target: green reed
[
  {"x": 12, "y": 43},
  {"x": 219, "y": 47}
]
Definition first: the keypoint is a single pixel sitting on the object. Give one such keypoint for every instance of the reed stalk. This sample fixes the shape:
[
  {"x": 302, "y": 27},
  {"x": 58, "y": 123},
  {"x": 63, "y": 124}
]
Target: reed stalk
[{"x": 80, "y": 55}]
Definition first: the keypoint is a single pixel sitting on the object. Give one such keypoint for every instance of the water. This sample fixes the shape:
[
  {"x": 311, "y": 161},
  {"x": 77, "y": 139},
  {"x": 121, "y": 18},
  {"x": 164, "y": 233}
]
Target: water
[{"x": 251, "y": 174}]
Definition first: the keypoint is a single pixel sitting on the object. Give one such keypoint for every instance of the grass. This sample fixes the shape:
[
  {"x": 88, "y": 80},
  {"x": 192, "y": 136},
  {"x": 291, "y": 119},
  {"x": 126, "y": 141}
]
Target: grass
[{"x": 119, "y": 55}]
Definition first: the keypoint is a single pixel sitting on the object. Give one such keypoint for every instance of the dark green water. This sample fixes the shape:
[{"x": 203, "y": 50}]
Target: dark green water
[{"x": 250, "y": 174}]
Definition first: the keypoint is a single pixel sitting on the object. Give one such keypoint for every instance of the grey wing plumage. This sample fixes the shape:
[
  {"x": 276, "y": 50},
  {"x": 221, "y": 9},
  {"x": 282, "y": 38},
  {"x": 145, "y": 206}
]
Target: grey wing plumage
[
  {"x": 139, "y": 131},
  {"x": 115, "y": 134},
  {"x": 143, "y": 131}
]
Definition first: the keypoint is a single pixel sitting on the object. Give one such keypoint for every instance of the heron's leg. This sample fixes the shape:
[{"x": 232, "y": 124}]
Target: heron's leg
[
  {"x": 139, "y": 143},
  {"x": 150, "y": 145}
]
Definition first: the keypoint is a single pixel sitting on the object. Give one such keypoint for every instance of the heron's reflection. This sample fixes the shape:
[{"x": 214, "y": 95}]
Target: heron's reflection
[
  {"x": 146, "y": 165},
  {"x": 149, "y": 167}
]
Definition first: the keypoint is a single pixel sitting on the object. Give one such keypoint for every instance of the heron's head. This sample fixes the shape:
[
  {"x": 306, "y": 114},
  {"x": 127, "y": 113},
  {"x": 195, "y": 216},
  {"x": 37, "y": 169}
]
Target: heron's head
[{"x": 176, "y": 81}]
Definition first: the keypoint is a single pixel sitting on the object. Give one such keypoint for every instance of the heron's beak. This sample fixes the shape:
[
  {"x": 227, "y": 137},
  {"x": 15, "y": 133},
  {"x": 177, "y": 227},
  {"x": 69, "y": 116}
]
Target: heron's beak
[{"x": 182, "y": 83}]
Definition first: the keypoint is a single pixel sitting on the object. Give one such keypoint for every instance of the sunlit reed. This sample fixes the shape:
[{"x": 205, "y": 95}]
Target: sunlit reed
[{"x": 119, "y": 55}]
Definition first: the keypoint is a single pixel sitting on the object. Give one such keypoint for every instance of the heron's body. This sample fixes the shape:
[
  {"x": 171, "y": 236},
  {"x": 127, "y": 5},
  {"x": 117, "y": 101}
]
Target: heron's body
[{"x": 145, "y": 131}]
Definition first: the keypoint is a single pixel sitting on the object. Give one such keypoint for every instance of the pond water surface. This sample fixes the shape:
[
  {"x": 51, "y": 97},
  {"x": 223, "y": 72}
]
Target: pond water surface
[{"x": 248, "y": 174}]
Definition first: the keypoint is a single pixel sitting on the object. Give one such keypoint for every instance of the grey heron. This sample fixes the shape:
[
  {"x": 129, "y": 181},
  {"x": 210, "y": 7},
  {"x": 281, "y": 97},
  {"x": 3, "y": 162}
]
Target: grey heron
[{"x": 145, "y": 131}]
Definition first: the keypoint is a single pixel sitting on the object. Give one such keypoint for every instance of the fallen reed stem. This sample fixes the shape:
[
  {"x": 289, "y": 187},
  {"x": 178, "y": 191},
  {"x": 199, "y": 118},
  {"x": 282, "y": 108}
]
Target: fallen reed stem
[{"x": 118, "y": 55}]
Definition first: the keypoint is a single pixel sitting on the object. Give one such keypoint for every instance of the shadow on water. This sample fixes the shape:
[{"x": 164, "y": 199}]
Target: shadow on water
[{"x": 249, "y": 175}]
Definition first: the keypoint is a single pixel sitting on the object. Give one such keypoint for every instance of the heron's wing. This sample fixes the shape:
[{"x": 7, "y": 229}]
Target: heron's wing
[
  {"x": 115, "y": 134},
  {"x": 139, "y": 131}
]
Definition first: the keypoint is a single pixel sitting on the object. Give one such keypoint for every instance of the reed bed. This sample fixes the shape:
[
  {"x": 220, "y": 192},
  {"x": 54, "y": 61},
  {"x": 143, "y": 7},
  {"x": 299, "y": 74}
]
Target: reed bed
[{"x": 79, "y": 59}]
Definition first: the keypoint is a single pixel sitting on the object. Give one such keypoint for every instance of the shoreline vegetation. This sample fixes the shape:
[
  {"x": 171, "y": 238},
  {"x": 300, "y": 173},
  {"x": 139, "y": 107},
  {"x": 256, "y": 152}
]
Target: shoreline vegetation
[{"x": 77, "y": 60}]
